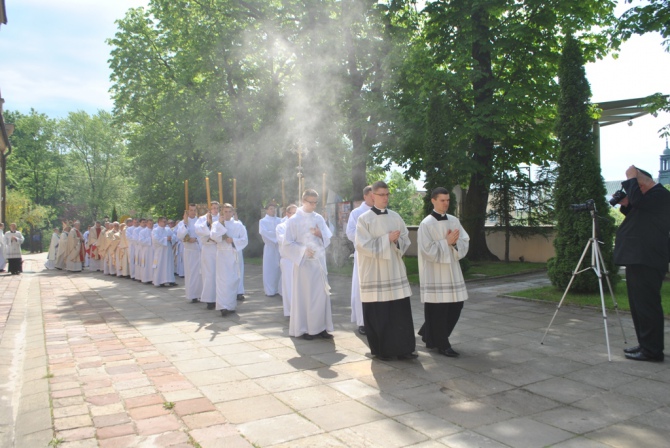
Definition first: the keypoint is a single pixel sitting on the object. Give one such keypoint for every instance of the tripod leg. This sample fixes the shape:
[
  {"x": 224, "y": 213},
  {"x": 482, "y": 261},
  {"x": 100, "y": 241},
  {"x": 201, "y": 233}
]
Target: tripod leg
[
  {"x": 596, "y": 268},
  {"x": 574, "y": 274},
  {"x": 609, "y": 285}
]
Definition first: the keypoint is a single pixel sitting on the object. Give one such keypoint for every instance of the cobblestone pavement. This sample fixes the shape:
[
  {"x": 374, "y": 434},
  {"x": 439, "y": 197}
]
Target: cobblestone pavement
[{"x": 88, "y": 360}]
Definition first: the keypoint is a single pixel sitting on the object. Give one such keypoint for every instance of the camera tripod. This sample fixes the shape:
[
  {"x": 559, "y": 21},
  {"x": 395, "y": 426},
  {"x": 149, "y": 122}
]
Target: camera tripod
[{"x": 598, "y": 266}]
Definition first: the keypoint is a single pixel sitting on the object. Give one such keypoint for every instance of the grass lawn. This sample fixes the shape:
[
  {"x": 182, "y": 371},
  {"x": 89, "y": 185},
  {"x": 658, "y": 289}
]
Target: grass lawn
[
  {"x": 477, "y": 270},
  {"x": 551, "y": 294}
]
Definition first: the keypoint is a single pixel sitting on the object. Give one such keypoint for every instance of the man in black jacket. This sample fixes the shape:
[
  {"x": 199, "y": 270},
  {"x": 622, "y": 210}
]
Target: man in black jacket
[{"x": 642, "y": 246}]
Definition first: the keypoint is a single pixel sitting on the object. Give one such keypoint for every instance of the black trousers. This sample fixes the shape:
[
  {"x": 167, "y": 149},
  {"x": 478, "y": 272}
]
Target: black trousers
[
  {"x": 644, "y": 295},
  {"x": 441, "y": 318}
]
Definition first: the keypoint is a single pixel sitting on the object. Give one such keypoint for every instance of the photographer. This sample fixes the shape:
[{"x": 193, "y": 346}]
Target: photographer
[{"x": 642, "y": 247}]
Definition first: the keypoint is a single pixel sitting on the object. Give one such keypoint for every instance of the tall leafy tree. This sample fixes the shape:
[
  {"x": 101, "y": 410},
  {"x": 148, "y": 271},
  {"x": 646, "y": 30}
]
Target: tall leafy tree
[
  {"x": 498, "y": 61},
  {"x": 96, "y": 158},
  {"x": 35, "y": 166},
  {"x": 578, "y": 178}
]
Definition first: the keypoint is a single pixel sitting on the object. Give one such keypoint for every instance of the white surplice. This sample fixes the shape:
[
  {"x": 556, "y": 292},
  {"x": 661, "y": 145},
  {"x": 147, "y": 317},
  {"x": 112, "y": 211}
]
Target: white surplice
[
  {"x": 146, "y": 256},
  {"x": 163, "y": 261},
  {"x": 381, "y": 271},
  {"x": 227, "y": 261},
  {"x": 286, "y": 266},
  {"x": 240, "y": 257},
  {"x": 440, "y": 273},
  {"x": 192, "y": 274},
  {"x": 53, "y": 250},
  {"x": 267, "y": 227},
  {"x": 207, "y": 259},
  {"x": 356, "y": 304},
  {"x": 310, "y": 303}
]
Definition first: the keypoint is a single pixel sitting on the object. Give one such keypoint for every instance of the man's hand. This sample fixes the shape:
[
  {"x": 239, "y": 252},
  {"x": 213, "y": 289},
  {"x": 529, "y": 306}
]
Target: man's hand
[
  {"x": 309, "y": 252},
  {"x": 452, "y": 236},
  {"x": 169, "y": 238},
  {"x": 316, "y": 232},
  {"x": 228, "y": 240},
  {"x": 393, "y": 236},
  {"x": 624, "y": 202},
  {"x": 631, "y": 172}
]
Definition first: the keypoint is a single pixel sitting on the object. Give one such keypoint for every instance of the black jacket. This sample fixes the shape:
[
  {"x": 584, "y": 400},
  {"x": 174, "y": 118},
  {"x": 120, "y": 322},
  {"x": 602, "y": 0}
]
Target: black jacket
[{"x": 642, "y": 238}]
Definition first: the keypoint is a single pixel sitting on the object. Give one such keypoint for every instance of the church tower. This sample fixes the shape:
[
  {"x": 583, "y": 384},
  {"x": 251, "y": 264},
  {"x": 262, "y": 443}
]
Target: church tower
[{"x": 664, "y": 172}]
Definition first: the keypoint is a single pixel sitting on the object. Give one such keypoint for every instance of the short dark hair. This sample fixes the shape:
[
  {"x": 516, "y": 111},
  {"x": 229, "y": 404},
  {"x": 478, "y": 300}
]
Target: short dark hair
[
  {"x": 379, "y": 184},
  {"x": 192, "y": 204},
  {"x": 438, "y": 191},
  {"x": 367, "y": 189},
  {"x": 310, "y": 193}
]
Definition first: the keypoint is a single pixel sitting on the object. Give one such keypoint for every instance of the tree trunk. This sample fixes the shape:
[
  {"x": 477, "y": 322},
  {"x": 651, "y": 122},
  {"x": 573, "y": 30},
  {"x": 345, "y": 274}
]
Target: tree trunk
[{"x": 482, "y": 146}]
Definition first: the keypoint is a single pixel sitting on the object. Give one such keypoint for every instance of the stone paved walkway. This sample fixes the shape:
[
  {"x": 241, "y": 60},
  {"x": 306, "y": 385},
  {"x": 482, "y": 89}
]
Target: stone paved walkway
[{"x": 89, "y": 360}]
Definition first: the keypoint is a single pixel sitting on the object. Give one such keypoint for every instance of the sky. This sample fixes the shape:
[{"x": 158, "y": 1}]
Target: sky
[{"x": 53, "y": 58}]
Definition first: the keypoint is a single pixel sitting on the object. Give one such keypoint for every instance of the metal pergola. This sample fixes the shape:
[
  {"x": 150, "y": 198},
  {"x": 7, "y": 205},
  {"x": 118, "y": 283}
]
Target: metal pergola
[{"x": 619, "y": 111}]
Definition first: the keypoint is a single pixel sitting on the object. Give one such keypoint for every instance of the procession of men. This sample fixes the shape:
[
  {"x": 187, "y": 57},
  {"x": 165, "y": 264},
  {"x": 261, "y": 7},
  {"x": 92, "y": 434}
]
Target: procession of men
[{"x": 207, "y": 250}]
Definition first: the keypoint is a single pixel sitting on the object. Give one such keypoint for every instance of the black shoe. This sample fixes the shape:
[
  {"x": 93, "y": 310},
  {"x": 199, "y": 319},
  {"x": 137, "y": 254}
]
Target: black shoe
[
  {"x": 195, "y": 300},
  {"x": 325, "y": 335},
  {"x": 384, "y": 358},
  {"x": 225, "y": 312},
  {"x": 408, "y": 356},
  {"x": 307, "y": 337},
  {"x": 211, "y": 306},
  {"x": 635, "y": 349},
  {"x": 361, "y": 330},
  {"x": 450, "y": 352},
  {"x": 640, "y": 356},
  {"x": 241, "y": 298}
]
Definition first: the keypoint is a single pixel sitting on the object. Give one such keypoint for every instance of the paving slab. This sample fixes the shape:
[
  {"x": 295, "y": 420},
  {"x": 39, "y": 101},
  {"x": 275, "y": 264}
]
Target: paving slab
[{"x": 130, "y": 365}]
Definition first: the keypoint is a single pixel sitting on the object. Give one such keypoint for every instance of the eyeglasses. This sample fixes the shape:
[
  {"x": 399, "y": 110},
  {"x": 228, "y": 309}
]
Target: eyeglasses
[
  {"x": 312, "y": 202},
  {"x": 384, "y": 195}
]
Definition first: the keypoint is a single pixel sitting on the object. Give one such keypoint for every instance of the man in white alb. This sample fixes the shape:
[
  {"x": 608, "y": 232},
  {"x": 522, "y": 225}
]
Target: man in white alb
[
  {"x": 230, "y": 236},
  {"x": 356, "y": 304},
  {"x": 203, "y": 228},
  {"x": 163, "y": 262},
  {"x": 285, "y": 264},
  {"x": 267, "y": 227},
  {"x": 307, "y": 237},
  {"x": 192, "y": 276}
]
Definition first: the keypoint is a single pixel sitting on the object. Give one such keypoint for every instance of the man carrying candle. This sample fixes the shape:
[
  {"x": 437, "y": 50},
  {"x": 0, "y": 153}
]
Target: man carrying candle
[
  {"x": 203, "y": 228},
  {"x": 192, "y": 275},
  {"x": 230, "y": 236},
  {"x": 267, "y": 227}
]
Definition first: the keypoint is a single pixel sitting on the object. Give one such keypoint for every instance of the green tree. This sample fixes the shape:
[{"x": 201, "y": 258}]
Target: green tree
[
  {"x": 27, "y": 215},
  {"x": 404, "y": 199},
  {"x": 96, "y": 156},
  {"x": 496, "y": 61},
  {"x": 35, "y": 166},
  {"x": 578, "y": 178}
]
